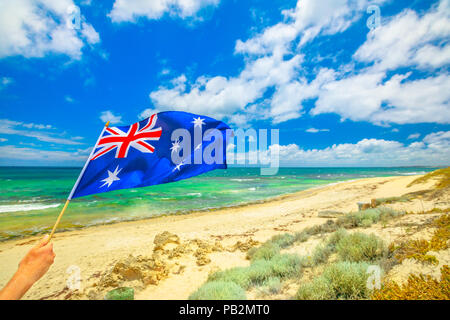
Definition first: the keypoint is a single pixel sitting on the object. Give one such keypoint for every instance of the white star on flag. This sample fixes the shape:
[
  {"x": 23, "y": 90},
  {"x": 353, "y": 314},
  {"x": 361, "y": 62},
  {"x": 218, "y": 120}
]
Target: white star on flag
[
  {"x": 112, "y": 176},
  {"x": 198, "y": 122},
  {"x": 175, "y": 146},
  {"x": 178, "y": 166}
]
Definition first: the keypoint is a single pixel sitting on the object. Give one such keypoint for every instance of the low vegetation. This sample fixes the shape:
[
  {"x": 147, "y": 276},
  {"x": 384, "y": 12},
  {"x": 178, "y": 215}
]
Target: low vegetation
[
  {"x": 219, "y": 290},
  {"x": 389, "y": 200},
  {"x": 340, "y": 280},
  {"x": 417, "y": 288},
  {"x": 359, "y": 247},
  {"x": 342, "y": 260},
  {"x": 351, "y": 220},
  {"x": 442, "y": 176},
  {"x": 262, "y": 272},
  {"x": 418, "y": 249}
]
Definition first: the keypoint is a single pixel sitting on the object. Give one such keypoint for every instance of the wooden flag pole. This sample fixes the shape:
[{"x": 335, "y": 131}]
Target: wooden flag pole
[
  {"x": 74, "y": 187},
  {"x": 59, "y": 218}
]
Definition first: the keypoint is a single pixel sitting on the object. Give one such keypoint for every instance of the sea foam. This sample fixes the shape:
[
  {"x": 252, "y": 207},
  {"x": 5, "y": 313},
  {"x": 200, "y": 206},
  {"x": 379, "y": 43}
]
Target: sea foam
[{"x": 27, "y": 207}]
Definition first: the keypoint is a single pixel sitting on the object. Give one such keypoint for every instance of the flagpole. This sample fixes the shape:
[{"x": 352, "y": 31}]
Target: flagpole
[{"x": 76, "y": 185}]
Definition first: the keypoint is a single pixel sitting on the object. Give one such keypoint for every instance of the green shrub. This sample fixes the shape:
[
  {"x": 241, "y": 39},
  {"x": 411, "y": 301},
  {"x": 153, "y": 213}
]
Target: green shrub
[
  {"x": 336, "y": 237},
  {"x": 122, "y": 293},
  {"x": 266, "y": 251},
  {"x": 367, "y": 217},
  {"x": 348, "y": 280},
  {"x": 286, "y": 265},
  {"x": 388, "y": 200},
  {"x": 318, "y": 289},
  {"x": 358, "y": 247},
  {"x": 321, "y": 254},
  {"x": 238, "y": 275},
  {"x": 259, "y": 272},
  {"x": 281, "y": 266},
  {"x": 302, "y": 236},
  {"x": 283, "y": 240},
  {"x": 219, "y": 290},
  {"x": 272, "y": 285}
]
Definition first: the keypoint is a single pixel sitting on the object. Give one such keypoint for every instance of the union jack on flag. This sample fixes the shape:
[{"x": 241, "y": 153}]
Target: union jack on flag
[
  {"x": 140, "y": 154},
  {"x": 135, "y": 137}
]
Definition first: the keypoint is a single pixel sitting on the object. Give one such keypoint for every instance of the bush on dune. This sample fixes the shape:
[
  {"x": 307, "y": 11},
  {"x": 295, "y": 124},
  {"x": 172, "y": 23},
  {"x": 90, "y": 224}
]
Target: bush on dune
[
  {"x": 320, "y": 254},
  {"x": 335, "y": 237},
  {"x": 318, "y": 289},
  {"x": 281, "y": 266},
  {"x": 348, "y": 280},
  {"x": 367, "y": 217},
  {"x": 272, "y": 285},
  {"x": 238, "y": 275},
  {"x": 219, "y": 290},
  {"x": 266, "y": 251},
  {"x": 341, "y": 280},
  {"x": 283, "y": 240},
  {"x": 358, "y": 247}
]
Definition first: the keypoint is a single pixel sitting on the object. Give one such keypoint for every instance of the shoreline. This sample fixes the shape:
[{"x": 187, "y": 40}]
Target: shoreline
[
  {"x": 95, "y": 249},
  {"x": 184, "y": 213}
]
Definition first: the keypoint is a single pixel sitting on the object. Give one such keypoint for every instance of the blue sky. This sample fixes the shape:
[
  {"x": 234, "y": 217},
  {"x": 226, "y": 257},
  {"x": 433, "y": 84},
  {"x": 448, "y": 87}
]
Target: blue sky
[{"x": 341, "y": 94}]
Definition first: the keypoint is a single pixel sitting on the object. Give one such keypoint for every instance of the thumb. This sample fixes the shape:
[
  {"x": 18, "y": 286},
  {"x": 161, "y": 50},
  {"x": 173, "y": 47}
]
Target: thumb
[{"x": 43, "y": 241}]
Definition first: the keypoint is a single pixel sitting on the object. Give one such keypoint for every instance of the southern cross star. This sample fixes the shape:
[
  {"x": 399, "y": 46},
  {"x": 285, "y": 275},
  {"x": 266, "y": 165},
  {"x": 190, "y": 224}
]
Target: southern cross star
[
  {"x": 112, "y": 176},
  {"x": 198, "y": 122},
  {"x": 178, "y": 166},
  {"x": 175, "y": 146}
]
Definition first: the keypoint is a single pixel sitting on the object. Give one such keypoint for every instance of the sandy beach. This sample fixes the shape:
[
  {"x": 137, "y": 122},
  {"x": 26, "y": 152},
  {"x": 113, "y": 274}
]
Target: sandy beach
[{"x": 96, "y": 249}]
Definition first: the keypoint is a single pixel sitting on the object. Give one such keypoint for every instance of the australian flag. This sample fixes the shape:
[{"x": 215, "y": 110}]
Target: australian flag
[{"x": 166, "y": 147}]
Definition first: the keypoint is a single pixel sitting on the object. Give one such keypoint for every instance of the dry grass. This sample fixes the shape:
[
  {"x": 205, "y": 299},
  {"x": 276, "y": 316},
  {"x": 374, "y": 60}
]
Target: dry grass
[
  {"x": 443, "y": 176},
  {"x": 418, "y": 249},
  {"x": 417, "y": 288}
]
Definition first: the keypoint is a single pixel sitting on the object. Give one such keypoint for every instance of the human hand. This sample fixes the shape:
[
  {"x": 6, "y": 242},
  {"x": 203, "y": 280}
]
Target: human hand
[
  {"x": 37, "y": 261},
  {"x": 32, "y": 267}
]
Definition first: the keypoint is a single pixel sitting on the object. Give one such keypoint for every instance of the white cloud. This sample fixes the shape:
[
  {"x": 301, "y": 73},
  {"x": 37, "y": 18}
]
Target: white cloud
[
  {"x": 35, "y": 28},
  {"x": 413, "y": 136},
  {"x": 365, "y": 97},
  {"x": 28, "y": 155},
  {"x": 5, "y": 81},
  {"x": 314, "y": 130},
  {"x": 371, "y": 95},
  {"x": 394, "y": 45},
  {"x": 69, "y": 99},
  {"x": 220, "y": 96},
  {"x": 306, "y": 21},
  {"x": 24, "y": 129},
  {"x": 265, "y": 67},
  {"x": 434, "y": 149},
  {"x": 106, "y": 116},
  {"x": 274, "y": 60},
  {"x": 147, "y": 113},
  {"x": 3, "y": 139},
  {"x": 131, "y": 10}
]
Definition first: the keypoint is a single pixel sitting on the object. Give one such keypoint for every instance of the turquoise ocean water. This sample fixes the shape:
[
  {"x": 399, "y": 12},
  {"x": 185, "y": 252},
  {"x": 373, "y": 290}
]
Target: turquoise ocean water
[{"x": 32, "y": 197}]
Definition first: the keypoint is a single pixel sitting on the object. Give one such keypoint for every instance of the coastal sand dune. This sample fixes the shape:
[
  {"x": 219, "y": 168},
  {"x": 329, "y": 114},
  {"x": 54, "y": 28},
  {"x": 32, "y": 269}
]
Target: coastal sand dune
[{"x": 205, "y": 241}]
